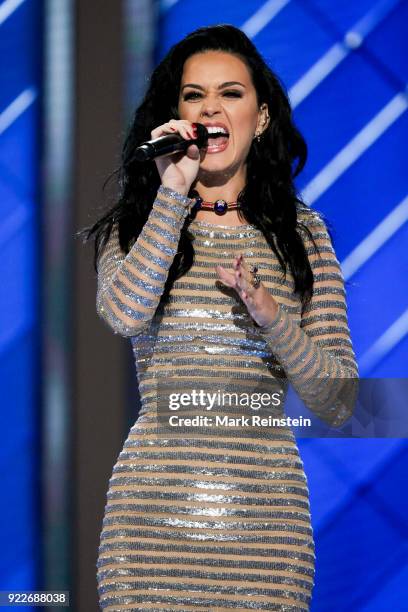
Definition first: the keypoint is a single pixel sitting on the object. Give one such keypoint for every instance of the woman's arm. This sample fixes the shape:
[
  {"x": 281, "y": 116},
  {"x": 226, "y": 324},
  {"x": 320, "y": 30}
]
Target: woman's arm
[
  {"x": 130, "y": 287},
  {"x": 318, "y": 356}
]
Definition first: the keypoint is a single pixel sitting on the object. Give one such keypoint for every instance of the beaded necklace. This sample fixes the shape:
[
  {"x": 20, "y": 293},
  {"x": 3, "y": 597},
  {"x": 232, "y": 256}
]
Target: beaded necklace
[{"x": 220, "y": 207}]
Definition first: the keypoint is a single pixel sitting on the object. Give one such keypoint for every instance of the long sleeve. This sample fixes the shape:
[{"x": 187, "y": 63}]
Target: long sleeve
[
  {"x": 317, "y": 355},
  {"x": 130, "y": 287}
]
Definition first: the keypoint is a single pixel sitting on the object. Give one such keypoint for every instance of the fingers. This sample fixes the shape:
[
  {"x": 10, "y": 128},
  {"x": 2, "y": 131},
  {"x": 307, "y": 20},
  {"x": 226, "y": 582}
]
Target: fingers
[
  {"x": 178, "y": 170},
  {"x": 227, "y": 277},
  {"x": 242, "y": 282},
  {"x": 181, "y": 126},
  {"x": 240, "y": 279},
  {"x": 193, "y": 152},
  {"x": 249, "y": 281}
]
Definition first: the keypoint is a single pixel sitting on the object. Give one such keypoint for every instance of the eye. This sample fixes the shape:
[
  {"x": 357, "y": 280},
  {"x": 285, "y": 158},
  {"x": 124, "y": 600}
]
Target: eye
[
  {"x": 234, "y": 94},
  {"x": 191, "y": 95},
  {"x": 194, "y": 95}
]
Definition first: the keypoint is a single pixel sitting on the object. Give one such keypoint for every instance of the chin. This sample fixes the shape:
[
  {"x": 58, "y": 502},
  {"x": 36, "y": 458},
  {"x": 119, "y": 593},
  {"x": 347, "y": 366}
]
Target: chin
[{"x": 216, "y": 163}]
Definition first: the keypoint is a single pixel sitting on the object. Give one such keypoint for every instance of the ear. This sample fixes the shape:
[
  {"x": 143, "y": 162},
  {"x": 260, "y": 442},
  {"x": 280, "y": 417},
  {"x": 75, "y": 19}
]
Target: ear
[{"x": 263, "y": 118}]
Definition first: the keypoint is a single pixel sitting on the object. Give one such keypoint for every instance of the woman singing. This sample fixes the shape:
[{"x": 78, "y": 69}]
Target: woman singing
[{"x": 216, "y": 296}]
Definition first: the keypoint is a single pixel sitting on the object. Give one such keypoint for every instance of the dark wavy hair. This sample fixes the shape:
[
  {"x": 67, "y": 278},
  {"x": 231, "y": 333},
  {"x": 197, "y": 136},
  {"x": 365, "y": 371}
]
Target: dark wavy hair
[{"x": 268, "y": 201}]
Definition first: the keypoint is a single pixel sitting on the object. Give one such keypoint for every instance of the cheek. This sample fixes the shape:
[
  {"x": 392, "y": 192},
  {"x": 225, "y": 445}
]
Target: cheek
[
  {"x": 245, "y": 120},
  {"x": 185, "y": 111},
  {"x": 245, "y": 129},
  {"x": 180, "y": 110}
]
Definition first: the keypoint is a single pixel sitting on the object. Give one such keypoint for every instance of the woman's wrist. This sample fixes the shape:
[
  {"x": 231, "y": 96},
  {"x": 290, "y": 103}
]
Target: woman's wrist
[
  {"x": 177, "y": 189},
  {"x": 174, "y": 194},
  {"x": 273, "y": 322}
]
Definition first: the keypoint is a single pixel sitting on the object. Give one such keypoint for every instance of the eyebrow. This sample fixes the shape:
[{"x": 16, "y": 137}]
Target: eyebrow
[{"x": 226, "y": 84}]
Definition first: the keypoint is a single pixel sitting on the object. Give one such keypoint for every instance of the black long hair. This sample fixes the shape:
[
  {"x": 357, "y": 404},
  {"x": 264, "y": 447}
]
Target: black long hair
[{"x": 268, "y": 201}]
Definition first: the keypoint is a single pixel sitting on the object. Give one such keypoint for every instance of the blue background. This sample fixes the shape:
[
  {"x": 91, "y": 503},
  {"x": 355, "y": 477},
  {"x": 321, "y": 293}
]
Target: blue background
[
  {"x": 355, "y": 113},
  {"x": 20, "y": 243},
  {"x": 358, "y": 497}
]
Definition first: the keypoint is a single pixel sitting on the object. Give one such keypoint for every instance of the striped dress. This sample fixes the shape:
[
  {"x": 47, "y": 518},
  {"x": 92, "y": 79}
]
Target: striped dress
[{"x": 210, "y": 519}]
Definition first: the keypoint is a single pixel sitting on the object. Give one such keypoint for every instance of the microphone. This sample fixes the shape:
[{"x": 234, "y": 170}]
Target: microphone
[{"x": 169, "y": 144}]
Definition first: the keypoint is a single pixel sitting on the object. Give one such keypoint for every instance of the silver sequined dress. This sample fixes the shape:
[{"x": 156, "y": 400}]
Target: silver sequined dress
[{"x": 213, "y": 522}]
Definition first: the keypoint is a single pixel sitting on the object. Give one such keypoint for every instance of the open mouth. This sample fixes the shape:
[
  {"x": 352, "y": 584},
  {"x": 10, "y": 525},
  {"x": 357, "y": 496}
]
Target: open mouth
[{"x": 218, "y": 139}]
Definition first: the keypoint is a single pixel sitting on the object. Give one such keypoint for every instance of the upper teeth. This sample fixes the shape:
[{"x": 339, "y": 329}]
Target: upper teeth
[{"x": 216, "y": 129}]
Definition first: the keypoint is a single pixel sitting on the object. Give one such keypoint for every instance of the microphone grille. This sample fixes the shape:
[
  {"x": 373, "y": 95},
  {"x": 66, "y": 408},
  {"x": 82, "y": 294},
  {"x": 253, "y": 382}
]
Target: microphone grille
[{"x": 202, "y": 134}]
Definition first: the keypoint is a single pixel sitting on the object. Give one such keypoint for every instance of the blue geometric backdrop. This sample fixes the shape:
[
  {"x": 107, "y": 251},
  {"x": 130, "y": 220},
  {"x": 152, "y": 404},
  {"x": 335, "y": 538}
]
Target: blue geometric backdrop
[
  {"x": 345, "y": 67},
  {"x": 344, "y": 64},
  {"x": 20, "y": 155}
]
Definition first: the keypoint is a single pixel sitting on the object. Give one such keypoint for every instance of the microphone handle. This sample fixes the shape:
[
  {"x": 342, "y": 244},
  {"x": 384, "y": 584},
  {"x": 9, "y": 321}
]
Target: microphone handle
[{"x": 167, "y": 144}]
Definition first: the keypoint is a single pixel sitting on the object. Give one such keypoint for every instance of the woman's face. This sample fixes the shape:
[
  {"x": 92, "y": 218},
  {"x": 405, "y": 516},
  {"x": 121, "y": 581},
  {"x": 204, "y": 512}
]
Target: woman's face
[{"x": 217, "y": 90}]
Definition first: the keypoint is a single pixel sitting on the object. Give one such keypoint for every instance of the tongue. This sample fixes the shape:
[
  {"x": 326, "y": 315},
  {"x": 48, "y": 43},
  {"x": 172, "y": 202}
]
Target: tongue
[{"x": 217, "y": 140}]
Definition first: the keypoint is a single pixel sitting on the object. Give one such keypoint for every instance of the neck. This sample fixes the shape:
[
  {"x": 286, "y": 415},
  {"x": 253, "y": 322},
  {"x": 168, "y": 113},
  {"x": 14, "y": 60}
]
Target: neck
[{"x": 216, "y": 186}]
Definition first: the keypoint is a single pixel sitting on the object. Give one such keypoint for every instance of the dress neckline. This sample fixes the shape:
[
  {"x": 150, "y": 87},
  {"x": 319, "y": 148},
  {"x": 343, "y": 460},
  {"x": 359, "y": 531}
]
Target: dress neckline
[{"x": 216, "y": 226}]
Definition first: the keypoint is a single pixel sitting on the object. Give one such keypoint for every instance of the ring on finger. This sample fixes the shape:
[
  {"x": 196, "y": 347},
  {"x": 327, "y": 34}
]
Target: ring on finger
[{"x": 256, "y": 279}]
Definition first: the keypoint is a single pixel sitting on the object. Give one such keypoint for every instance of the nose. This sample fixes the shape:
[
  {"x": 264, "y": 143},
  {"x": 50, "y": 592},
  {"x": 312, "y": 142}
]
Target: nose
[
  {"x": 209, "y": 112},
  {"x": 210, "y": 107}
]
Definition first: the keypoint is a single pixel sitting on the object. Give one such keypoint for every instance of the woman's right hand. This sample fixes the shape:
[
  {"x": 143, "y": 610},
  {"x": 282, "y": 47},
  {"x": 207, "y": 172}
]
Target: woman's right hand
[{"x": 178, "y": 171}]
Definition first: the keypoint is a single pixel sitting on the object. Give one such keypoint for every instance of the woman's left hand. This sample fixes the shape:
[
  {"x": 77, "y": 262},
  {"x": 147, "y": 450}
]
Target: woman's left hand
[{"x": 261, "y": 305}]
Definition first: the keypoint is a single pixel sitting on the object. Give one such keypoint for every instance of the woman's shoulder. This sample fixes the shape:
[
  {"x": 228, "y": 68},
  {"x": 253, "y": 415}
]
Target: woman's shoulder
[{"x": 310, "y": 218}]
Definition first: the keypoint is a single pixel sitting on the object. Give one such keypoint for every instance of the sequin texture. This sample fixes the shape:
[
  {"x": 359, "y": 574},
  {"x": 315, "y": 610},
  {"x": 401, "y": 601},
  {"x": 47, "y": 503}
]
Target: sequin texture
[{"x": 211, "y": 523}]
